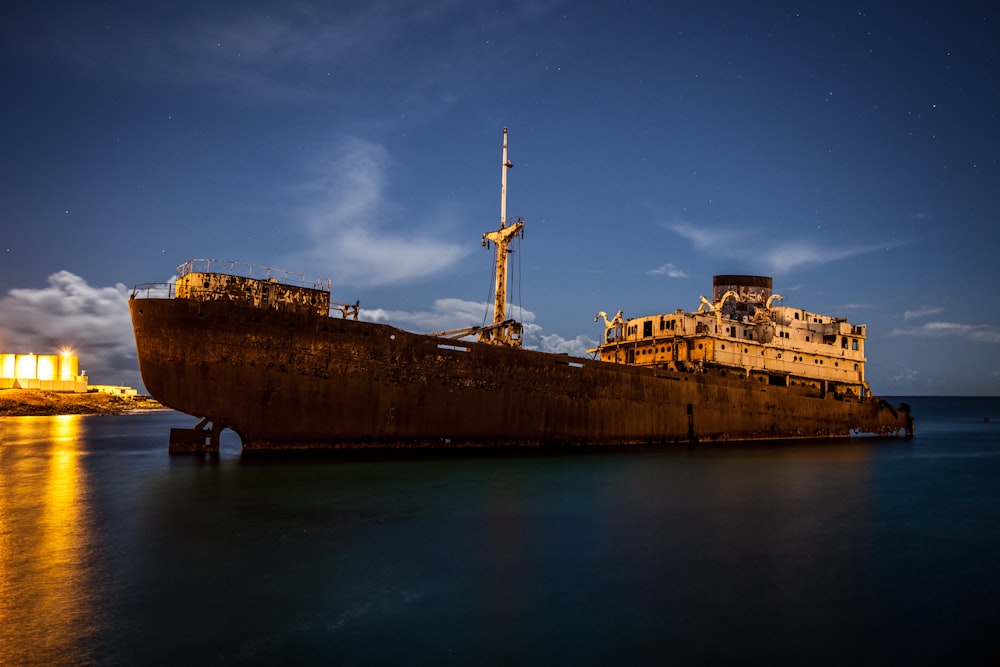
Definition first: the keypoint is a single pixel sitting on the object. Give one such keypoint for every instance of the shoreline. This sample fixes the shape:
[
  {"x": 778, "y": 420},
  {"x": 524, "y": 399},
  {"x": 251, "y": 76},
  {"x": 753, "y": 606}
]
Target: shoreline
[{"x": 44, "y": 403}]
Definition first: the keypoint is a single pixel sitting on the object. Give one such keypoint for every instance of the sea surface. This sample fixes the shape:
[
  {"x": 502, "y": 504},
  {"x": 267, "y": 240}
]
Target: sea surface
[{"x": 859, "y": 552}]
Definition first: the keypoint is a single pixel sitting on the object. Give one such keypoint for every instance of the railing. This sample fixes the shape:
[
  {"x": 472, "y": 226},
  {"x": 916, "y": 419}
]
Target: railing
[
  {"x": 154, "y": 291},
  {"x": 248, "y": 270}
]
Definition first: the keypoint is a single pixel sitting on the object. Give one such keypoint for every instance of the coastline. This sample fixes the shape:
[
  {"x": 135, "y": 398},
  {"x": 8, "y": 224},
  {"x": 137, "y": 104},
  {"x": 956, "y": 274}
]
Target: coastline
[{"x": 40, "y": 402}]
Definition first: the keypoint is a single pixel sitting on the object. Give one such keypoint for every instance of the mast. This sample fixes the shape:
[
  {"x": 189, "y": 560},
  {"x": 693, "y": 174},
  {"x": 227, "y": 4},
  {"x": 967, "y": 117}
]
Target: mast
[{"x": 503, "y": 331}]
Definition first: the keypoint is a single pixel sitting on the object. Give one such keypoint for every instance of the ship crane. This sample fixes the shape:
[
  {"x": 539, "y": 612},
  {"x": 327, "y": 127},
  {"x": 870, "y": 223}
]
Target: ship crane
[
  {"x": 502, "y": 331},
  {"x": 716, "y": 308}
]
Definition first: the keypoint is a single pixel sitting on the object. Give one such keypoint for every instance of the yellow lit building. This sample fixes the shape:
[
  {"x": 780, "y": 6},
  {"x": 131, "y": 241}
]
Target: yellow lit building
[{"x": 54, "y": 372}]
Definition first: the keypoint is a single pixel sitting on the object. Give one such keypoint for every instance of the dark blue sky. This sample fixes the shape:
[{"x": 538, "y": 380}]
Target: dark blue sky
[{"x": 849, "y": 151}]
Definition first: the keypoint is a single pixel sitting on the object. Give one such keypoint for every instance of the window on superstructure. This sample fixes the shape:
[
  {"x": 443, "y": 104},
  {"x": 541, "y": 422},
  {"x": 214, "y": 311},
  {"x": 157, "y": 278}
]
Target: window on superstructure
[
  {"x": 854, "y": 345},
  {"x": 843, "y": 342}
]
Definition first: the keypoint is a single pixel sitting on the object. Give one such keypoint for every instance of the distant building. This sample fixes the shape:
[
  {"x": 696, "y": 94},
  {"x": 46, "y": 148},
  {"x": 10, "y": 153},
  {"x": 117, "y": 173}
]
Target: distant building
[
  {"x": 54, "y": 372},
  {"x": 115, "y": 390}
]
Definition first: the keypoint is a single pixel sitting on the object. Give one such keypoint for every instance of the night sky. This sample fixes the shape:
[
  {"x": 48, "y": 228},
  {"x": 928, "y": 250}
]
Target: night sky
[{"x": 849, "y": 150}]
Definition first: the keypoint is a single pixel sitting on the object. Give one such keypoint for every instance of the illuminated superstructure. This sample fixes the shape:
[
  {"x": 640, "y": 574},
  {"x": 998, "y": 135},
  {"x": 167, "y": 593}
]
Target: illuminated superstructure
[{"x": 742, "y": 330}]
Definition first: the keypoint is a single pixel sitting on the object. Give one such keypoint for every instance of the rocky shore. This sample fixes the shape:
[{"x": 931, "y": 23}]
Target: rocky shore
[{"x": 24, "y": 402}]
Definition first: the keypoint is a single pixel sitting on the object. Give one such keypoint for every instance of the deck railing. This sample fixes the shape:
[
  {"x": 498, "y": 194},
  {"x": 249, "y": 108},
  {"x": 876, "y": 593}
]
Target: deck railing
[
  {"x": 247, "y": 270},
  {"x": 154, "y": 291}
]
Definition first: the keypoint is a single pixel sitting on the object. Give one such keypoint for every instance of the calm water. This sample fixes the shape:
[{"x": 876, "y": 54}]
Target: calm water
[{"x": 861, "y": 552}]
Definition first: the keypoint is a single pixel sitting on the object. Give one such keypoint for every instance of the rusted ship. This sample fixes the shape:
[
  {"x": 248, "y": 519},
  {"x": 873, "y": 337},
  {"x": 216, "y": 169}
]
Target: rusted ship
[{"x": 269, "y": 355}]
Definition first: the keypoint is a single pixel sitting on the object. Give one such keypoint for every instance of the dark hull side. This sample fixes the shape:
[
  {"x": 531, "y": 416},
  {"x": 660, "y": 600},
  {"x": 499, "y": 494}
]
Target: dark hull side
[{"x": 284, "y": 381}]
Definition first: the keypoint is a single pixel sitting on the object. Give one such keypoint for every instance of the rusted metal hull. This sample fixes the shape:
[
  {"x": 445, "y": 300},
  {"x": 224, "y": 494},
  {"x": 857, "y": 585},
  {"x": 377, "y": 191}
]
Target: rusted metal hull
[{"x": 290, "y": 380}]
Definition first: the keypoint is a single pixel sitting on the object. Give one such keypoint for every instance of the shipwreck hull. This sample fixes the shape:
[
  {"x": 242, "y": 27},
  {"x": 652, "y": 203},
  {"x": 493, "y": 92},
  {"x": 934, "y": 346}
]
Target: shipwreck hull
[{"x": 285, "y": 380}]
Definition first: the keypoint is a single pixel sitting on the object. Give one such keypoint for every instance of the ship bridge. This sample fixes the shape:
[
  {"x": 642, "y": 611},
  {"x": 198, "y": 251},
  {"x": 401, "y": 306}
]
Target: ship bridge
[{"x": 741, "y": 331}]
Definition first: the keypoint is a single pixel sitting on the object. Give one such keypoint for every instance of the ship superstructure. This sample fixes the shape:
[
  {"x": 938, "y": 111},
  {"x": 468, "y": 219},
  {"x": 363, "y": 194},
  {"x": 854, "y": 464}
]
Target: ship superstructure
[{"x": 742, "y": 331}]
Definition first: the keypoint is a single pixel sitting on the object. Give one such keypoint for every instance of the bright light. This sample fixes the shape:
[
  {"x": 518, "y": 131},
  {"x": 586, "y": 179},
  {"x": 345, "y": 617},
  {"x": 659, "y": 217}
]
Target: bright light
[
  {"x": 68, "y": 365},
  {"x": 46, "y": 367}
]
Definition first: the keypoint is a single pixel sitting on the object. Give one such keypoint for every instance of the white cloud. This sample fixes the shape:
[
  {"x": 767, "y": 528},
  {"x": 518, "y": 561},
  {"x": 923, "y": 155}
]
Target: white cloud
[
  {"x": 356, "y": 236},
  {"x": 922, "y": 311},
  {"x": 774, "y": 257},
  {"x": 980, "y": 333},
  {"x": 668, "y": 270},
  {"x": 449, "y": 314},
  {"x": 444, "y": 315},
  {"x": 575, "y": 347},
  {"x": 905, "y": 375},
  {"x": 93, "y": 321}
]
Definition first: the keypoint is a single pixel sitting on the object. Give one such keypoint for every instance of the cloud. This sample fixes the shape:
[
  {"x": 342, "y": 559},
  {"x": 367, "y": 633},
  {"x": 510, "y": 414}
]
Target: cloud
[
  {"x": 294, "y": 51},
  {"x": 922, "y": 311},
  {"x": 979, "y": 333},
  {"x": 93, "y": 321},
  {"x": 449, "y": 314},
  {"x": 556, "y": 344},
  {"x": 444, "y": 315},
  {"x": 355, "y": 235},
  {"x": 774, "y": 257},
  {"x": 904, "y": 375},
  {"x": 668, "y": 270}
]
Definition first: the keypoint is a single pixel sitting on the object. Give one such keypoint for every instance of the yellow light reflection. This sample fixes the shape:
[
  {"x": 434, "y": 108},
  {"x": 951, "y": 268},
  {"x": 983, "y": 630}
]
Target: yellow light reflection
[{"x": 46, "y": 542}]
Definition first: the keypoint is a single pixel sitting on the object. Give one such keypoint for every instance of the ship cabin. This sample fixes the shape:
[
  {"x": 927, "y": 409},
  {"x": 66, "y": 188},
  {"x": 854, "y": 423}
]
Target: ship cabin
[
  {"x": 742, "y": 332},
  {"x": 256, "y": 286}
]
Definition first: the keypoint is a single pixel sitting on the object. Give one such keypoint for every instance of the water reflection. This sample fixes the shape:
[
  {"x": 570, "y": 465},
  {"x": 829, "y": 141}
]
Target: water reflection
[{"x": 46, "y": 542}]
